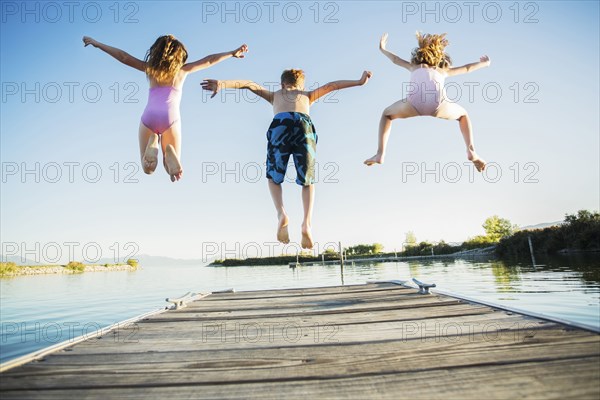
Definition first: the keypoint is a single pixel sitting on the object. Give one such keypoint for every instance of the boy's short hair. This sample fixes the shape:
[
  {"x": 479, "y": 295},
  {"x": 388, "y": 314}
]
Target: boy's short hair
[{"x": 292, "y": 77}]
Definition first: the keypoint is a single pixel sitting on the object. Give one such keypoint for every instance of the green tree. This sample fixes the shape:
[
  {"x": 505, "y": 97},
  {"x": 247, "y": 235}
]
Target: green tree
[
  {"x": 582, "y": 216},
  {"x": 410, "y": 239},
  {"x": 377, "y": 248},
  {"x": 582, "y": 230},
  {"x": 8, "y": 268},
  {"x": 496, "y": 228},
  {"x": 75, "y": 266},
  {"x": 579, "y": 231},
  {"x": 361, "y": 249}
]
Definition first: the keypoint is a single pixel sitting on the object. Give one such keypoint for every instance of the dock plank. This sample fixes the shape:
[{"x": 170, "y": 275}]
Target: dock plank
[
  {"x": 550, "y": 335},
  {"x": 532, "y": 380},
  {"x": 269, "y": 332},
  {"x": 322, "y": 366},
  {"x": 317, "y": 290}
]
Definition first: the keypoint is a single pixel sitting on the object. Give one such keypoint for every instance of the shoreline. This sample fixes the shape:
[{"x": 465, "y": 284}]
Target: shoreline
[
  {"x": 31, "y": 270},
  {"x": 383, "y": 257},
  {"x": 482, "y": 252}
]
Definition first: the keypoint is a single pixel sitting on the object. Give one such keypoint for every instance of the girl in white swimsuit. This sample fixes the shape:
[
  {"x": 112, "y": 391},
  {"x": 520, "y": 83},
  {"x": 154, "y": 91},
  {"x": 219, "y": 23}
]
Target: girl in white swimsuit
[{"x": 429, "y": 67}]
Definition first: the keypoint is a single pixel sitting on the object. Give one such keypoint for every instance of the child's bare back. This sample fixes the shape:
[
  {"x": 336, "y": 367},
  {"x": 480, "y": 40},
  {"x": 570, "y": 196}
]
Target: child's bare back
[{"x": 294, "y": 100}]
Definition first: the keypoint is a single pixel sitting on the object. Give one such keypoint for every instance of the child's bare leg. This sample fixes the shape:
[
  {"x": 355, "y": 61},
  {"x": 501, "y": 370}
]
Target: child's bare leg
[
  {"x": 282, "y": 218},
  {"x": 467, "y": 132},
  {"x": 171, "y": 147},
  {"x": 453, "y": 111},
  {"x": 400, "y": 109},
  {"x": 148, "y": 149},
  {"x": 308, "y": 197}
]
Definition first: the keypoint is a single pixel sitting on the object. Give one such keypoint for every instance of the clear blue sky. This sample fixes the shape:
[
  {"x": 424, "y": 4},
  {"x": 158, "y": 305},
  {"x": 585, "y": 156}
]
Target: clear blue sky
[{"x": 541, "y": 130}]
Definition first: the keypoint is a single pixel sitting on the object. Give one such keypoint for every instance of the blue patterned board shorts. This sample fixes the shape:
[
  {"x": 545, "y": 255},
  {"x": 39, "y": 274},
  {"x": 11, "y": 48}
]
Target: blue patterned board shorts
[{"x": 291, "y": 133}]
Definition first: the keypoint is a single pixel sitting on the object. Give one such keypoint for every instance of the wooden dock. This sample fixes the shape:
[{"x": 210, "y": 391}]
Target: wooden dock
[{"x": 378, "y": 340}]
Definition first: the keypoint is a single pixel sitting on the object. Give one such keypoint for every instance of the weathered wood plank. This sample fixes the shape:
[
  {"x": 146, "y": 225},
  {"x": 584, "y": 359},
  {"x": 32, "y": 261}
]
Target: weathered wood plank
[
  {"x": 553, "y": 335},
  {"x": 560, "y": 379},
  {"x": 172, "y": 338},
  {"x": 334, "y": 365},
  {"x": 312, "y": 301},
  {"x": 292, "y": 312},
  {"x": 316, "y": 291},
  {"x": 367, "y": 315},
  {"x": 408, "y": 354}
]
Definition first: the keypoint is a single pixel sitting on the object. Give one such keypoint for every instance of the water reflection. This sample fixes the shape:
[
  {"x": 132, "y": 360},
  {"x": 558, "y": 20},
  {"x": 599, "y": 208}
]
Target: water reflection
[
  {"x": 587, "y": 265},
  {"x": 568, "y": 274},
  {"x": 505, "y": 276}
]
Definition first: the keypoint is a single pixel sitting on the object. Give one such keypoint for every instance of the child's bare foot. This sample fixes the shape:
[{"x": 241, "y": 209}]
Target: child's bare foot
[
  {"x": 376, "y": 159},
  {"x": 476, "y": 160},
  {"x": 150, "y": 158},
  {"x": 172, "y": 164},
  {"x": 479, "y": 164},
  {"x": 307, "y": 241},
  {"x": 282, "y": 229}
]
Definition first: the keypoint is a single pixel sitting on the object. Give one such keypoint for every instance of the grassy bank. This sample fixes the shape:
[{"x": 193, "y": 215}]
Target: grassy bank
[{"x": 10, "y": 269}]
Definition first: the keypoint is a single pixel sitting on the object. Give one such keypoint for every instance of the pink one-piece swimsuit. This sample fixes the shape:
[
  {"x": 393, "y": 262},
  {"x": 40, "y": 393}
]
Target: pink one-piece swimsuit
[
  {"x": 426, "y": 90},
  {"x": 162, "y": 109}
]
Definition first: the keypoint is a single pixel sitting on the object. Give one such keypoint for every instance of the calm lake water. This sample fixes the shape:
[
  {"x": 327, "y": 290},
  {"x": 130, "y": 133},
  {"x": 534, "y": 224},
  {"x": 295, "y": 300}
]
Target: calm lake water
[{"x": 39, "y": 311}]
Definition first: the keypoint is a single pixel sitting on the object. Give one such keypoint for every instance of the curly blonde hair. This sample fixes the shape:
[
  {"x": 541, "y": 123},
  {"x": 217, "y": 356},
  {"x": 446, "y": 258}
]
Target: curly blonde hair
[
  {"x": 293, "y": 77},
  {"x": 164, "y": 59},
  {"x": 431, "y": 50}
]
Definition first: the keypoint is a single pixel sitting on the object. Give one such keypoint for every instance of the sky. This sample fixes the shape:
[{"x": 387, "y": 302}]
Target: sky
[{"x": 72, "y": 187}]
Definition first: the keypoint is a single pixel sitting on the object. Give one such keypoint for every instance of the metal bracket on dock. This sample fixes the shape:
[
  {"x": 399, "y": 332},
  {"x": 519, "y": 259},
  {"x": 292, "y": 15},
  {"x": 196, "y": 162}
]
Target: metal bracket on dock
[
  {"x": 423, "y": 287},
  {"x": 180, "y": 302},
  {"x": 231, "y": 290}
]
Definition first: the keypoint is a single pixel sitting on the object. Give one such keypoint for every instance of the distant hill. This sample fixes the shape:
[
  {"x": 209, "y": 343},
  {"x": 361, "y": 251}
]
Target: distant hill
[{"x": 540, "y": 226}]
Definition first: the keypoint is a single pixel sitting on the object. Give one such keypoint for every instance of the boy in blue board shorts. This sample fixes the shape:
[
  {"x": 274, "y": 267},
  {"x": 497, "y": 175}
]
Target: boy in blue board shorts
[{"x": 291, "y": 133}]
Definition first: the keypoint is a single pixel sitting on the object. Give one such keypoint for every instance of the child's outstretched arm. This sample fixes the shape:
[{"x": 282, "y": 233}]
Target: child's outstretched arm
[
  {"x": 484, "y": 61},
  {"x": 119, "y": 54},
  {"x": 213, "y": 59},
  {"x": 395, "y": 59},
  {"x": 214, "y": 86},
  {"x": 337, "y": 85}
]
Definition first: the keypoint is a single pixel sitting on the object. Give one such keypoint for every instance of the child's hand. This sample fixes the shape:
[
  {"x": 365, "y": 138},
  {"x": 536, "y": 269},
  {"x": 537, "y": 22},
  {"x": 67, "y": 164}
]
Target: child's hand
[
  {"x": 239, "y": 52},
  {"x": 88, "y": 40},
  {"x": 383, "y": 41},
  {"x": 211, "y": 85},
  {"x": 485, "y": 59},
  {"x": 365, "y": 77}
]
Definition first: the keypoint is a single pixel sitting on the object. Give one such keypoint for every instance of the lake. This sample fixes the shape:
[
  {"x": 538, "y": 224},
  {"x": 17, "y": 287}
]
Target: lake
[{"x": 39, "y": 311}]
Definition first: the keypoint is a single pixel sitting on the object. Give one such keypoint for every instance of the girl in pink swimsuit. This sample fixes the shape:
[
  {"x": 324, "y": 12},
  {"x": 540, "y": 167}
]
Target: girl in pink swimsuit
[
  {"x": 429, "y": 67},
  {"x": 166, "y": 69}
]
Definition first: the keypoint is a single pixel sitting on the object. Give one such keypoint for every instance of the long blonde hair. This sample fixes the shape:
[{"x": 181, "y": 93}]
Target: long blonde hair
[
  {"x": 164, "y": 59},
  {"x": 431, "y": 50}
]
